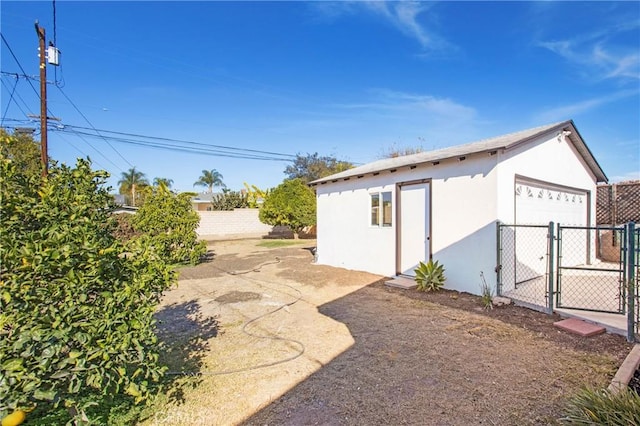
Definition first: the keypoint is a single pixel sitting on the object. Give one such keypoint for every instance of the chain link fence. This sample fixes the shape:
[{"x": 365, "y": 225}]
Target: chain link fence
[
  {"x": 586, "y": 280},
  {"x": 636, "y": 266},
  {"x": 584, "y": 268},
  {"x": 523, "y": 266}
]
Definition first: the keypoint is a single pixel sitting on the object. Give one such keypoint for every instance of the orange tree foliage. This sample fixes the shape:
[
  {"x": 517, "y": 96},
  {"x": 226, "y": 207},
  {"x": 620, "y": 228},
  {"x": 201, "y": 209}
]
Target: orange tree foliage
[{"x": 76, "y": 304}]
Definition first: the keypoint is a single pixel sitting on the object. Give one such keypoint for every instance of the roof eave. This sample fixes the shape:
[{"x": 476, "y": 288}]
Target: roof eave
[{"x": 578, "y": 142}]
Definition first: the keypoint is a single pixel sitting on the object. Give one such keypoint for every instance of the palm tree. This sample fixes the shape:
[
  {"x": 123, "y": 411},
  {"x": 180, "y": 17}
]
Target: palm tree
[
  {"x": 211, "y": 179},
  {"x": 163, "y": 185},
  {"x": 130, "y": 180},
  {"x": 168, "y": 183}
]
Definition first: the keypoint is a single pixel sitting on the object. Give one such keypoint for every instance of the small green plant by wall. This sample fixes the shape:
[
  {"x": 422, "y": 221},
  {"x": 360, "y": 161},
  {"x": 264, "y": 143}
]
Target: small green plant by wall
[{"x": 430, "y": 276}]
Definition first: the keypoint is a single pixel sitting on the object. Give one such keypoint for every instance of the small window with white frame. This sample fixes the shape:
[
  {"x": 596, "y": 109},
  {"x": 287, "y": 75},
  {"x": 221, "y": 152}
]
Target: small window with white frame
[{"x": 381, "y": 209}]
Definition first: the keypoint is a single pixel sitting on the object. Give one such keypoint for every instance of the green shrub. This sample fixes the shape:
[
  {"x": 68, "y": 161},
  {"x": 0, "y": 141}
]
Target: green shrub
[
  {"x": 76, "y": 304},
  {"x": 292, "y": 204},
  {"x": 430, "y": 276},
  {"x": 603, "y": 407},
  {"x": 230, "y": 200},
  {"x": 168, "y": 222}
]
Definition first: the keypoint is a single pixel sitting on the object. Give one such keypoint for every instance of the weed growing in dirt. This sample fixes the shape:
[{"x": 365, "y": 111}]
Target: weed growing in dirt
[
  {"x": 603, "y": 407},
  {"x": 486, "y": 294},
  {"x": 430, "y": 276}
]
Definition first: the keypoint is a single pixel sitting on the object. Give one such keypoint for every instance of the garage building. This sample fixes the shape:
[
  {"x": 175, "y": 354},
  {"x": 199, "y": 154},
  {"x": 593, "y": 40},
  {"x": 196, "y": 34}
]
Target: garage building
[{"x": 386, "y": 216}]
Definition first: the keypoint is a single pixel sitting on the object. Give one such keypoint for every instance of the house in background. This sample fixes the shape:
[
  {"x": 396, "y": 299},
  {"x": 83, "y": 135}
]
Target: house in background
[
  {"x": 201, "y": 202},
  {"x": 387, "y": 216}
]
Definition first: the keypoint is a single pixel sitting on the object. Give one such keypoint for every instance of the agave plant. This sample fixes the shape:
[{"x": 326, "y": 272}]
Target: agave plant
[{"x": 430, "y": 276}]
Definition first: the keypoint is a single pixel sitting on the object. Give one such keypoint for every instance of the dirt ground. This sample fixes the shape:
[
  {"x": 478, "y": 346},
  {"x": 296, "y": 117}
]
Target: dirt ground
[{"x": 277, "y": 340}]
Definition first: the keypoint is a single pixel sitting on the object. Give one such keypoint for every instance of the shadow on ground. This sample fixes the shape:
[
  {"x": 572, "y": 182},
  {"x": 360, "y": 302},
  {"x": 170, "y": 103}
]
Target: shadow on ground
[
  {"x": 415, "y": 362},
  {"x": 184, "y": 333}
]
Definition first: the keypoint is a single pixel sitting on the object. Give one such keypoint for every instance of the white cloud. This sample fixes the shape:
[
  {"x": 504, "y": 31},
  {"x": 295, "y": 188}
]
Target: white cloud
[
  {"x": 408, "y": 17},
  {"x": 575, "y": 109},
  {"x": 390, "y": 100},
  {"x": 602, "y": 57},
  {"x": 360, "y": 128},
  {"x": 405, "y": 17},
  {"x": 634, "y": 175}
]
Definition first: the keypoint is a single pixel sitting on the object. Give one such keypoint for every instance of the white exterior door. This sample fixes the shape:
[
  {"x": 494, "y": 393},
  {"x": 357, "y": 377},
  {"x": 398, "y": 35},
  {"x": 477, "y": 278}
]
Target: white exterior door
[{"x": 414, "y": 227}]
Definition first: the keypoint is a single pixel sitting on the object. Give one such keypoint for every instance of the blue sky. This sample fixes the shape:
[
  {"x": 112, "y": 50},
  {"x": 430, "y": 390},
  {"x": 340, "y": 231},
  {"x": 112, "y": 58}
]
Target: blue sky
[{"x": 348, "y": 79}]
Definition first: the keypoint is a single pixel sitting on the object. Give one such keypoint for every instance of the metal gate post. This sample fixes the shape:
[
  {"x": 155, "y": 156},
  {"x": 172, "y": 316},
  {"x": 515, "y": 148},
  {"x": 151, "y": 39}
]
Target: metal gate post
[
  {"x": 551, "y": 254},
  {"x": 629, "y": 274},
  {"x": 558, "y": 264},
  {"x": 499, "y": 258}
]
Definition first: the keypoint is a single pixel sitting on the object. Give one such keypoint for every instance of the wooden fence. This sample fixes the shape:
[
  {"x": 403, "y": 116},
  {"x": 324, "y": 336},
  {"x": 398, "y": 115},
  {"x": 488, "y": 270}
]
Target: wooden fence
[{"x": 618, "y": 203}]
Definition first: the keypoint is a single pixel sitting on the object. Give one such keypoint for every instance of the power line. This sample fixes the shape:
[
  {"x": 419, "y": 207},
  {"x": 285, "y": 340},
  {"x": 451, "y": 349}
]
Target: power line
[
  {"x": 202, "y": 148},
  {"x": 19, "y": 64},
  {"x": 179, "y": 148},
  {"x": 64, "y": 94},
  {"x": 4, "y": 115},
  {"x": 92, "y": 126},
  {"x": 49, "y": 111},
  {"x": 25, "y": 76},
  {"x": 73, "y": 132},
  {"x": 55, "y": 43},
  {"x": 82, "y": 152},
  {"x": 55, "y": 40},
  {"x": 19, "y": 120},
  {"x": 15, "y": 102},
  {"x": 223, "y": 147}
]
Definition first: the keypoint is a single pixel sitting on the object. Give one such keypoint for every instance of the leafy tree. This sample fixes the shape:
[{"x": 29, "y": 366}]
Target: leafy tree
[
  {"x": 169, "y": 222},
  {"x": 22, "y": 150},
  {"x": 292, "y": 204},
  {"x": 130, "y": 182},
  {"x": 255, "y": 195},
  {"x": 310, "y": 167},
  {"x": 76, "y": 305},
  {"x": 230, "y": 200},
  {"x": 211, "y": 179}
]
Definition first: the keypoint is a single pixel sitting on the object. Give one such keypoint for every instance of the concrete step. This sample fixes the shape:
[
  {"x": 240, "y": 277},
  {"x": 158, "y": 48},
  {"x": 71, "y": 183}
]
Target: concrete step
[
  {"x": 401, "y": 282},
  {"x": 580, "y": 327}
]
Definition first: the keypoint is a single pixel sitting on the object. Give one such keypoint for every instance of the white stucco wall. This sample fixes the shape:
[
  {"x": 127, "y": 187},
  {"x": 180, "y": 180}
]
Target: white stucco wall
[
  {"x": 463, "y": 222},
  {"x": 345, "y": 237},
  {"x": 467, "y": 198},
  {"x": 463, "y": 216},
  {"x": 546, "y": 159}
]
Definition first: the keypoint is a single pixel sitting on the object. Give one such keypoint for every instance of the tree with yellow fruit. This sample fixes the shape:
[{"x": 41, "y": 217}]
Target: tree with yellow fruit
[{"x": 76, "y": 304}]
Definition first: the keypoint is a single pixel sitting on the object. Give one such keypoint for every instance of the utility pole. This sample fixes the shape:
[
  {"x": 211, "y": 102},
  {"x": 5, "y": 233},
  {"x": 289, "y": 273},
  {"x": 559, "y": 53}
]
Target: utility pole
[{"x": 43, "y": 101}]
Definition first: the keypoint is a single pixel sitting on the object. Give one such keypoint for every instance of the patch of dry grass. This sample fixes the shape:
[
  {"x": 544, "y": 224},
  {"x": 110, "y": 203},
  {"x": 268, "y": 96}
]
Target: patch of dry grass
[{"x": 371, "y": 356}]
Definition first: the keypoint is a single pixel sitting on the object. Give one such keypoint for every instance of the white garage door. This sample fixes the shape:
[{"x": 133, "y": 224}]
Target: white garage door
[{"x": 539, "y": 204}]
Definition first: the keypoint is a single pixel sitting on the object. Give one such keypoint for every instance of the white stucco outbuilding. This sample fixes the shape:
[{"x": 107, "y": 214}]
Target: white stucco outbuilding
[{"x": 387, "y": 216}]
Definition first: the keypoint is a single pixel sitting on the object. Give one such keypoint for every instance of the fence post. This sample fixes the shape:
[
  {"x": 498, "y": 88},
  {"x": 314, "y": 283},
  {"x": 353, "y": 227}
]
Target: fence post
[
  {"x": 498, "y": 259},
  {"x": 551, "y": 254},
  {"x": 630, "y": 268},
  {"x": 558, "y": 260}
]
